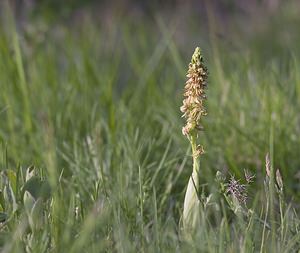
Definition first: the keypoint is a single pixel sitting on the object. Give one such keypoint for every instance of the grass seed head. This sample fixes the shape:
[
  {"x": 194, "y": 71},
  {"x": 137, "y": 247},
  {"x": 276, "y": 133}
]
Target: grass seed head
[
  {"x": 268, "y": 165},
  {"x": 237, "y": 190},
  {"x": 248, "y": 176},
  {"x": 279, "y": 180}
]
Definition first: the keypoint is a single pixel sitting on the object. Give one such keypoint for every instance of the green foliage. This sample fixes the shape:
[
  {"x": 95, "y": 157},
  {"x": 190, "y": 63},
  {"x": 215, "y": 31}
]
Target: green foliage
[{"x": 96, "y": 110}]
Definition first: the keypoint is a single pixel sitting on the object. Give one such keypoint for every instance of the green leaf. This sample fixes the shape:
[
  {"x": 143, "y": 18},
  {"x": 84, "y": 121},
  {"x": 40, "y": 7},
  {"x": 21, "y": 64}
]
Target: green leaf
[
  {"x": 29, "y": 202},
  {"x": 10, "y": 199},
  {"x": 11, "y": 175},
  {"x": 3, "y": 216},
  {"x": 34, "y": 210},
  {"x": 30, "y": 172},
  {"x": 36, "y": 215},
  {"x": 37, "y": 188},
  {"x": 2, "y": 200}
]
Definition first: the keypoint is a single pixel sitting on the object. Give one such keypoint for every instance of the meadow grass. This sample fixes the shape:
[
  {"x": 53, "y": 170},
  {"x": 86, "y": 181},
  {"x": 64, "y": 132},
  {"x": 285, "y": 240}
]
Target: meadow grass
[{"x": 95, "y": 110}]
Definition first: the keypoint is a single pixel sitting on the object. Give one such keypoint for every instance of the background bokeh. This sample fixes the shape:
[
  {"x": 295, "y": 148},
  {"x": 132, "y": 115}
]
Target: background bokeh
[
  {"x": 102, "y": 53},
  {"x": 90, "y": 94}
]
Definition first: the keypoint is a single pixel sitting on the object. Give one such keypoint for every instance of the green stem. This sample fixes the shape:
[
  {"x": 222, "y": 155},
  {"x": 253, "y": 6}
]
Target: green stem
[
  {"x": 196, "y": 162},
  {"x": 272, "y": 188}
]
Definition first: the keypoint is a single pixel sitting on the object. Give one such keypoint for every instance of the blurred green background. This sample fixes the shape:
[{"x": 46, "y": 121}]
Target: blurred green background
[
  {"x": 121, "y": 65},
  {"x": 90, "y": 94},
  {"x": 83, "y": 54}
]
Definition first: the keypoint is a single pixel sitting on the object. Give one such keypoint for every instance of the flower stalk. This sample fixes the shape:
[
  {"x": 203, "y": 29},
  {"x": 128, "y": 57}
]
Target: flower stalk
[{"x": 193, "y": 110}]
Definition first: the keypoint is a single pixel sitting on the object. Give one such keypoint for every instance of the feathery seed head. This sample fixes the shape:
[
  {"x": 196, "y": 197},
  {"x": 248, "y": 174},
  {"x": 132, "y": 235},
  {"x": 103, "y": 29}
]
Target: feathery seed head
[
  {"x": 237, "y": 190},
  {"x": 268, "y": 165},
  {"x": 248, "y": 176},
  {"x": 194, "y": 93},
  {"x": 279, "y": 180}
]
